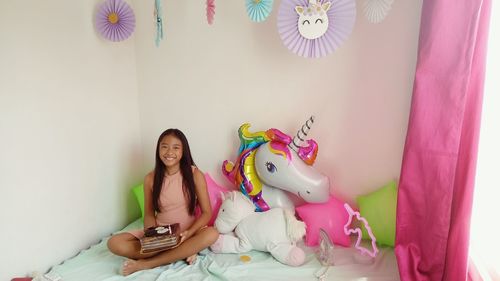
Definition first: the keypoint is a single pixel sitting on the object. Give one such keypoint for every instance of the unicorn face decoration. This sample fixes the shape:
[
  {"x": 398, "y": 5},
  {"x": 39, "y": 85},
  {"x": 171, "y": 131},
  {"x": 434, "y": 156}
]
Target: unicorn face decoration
[
  {"x": 313, "y": 19},
  {"x": 271, "y": 165}
]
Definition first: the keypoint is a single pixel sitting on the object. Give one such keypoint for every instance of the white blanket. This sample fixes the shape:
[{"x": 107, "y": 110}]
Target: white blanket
[{"x": 98, "y": 264}]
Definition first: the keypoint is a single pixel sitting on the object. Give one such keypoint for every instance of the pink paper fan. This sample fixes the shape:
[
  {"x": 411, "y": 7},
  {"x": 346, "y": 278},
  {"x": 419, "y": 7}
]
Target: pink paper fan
[
  {"x": 210, "y": 11},
  {"x": 341, "y": 17},
  {"x": 115, "y": 20}
]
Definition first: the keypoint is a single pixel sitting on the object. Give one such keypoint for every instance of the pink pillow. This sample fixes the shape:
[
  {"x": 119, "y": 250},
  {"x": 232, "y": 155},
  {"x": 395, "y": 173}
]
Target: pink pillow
[
  {"x": 214, "y": 195},
  {"x": 330, "y": 216}
]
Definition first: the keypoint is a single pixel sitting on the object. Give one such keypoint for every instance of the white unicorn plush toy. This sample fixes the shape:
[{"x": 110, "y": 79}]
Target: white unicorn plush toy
[{"x": 275, "y": 231}]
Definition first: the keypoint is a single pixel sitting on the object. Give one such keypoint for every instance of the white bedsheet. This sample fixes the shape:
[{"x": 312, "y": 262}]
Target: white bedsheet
[{"x": 98, "y": 264}]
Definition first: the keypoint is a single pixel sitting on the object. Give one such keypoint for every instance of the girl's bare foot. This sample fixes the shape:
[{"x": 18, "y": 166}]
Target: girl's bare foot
[
  {"x": 131, "y": 266},
  {"x": 191, "y": 259}
]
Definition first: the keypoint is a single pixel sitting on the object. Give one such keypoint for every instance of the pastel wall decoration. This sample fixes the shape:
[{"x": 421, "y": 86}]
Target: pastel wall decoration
[
  {"x": 376, "y": 10},
  {"x": 315, "y": 28},
  {"x": 259, "y": 10},
  {"x": 210, "y": 11},
  {"x": 313, "y": 19},
  {"x": 115, "y": 20},
  {"x": 159, "y": 22}
]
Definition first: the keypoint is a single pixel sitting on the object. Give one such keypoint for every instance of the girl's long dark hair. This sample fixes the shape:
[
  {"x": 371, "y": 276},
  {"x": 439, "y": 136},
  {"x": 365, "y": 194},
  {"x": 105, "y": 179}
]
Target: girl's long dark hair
[{"x": 186, "y": 171}]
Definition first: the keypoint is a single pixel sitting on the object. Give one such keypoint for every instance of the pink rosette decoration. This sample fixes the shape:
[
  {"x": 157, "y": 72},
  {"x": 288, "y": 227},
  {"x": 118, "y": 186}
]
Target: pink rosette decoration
[
  {"x": 115, "y": 20},
  {"x": 210, "y": 11}
]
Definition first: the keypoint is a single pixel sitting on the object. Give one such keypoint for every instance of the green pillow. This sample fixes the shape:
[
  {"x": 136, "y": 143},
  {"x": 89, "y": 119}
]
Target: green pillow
[
  {"x": 379, "y": 209},
  {"x": 139, "y": 195}
]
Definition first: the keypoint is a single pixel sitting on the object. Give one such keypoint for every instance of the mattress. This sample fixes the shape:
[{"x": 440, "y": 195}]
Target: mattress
[{"x": 97, "y": 263}]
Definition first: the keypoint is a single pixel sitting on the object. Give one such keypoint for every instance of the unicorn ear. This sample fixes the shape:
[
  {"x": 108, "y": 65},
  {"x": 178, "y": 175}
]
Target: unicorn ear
[
  {"x": 299, "y": 10},
  {"x": 326, "y": 6}
]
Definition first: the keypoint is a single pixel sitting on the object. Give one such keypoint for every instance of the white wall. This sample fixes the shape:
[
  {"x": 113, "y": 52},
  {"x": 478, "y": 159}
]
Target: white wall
[
  {"x": 208, "y": 80},
  {"x": 70, "y": 144}
]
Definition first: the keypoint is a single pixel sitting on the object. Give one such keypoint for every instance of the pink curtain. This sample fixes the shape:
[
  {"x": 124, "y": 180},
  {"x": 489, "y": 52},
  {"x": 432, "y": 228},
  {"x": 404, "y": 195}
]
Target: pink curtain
[{"x": 437, "y": 175}]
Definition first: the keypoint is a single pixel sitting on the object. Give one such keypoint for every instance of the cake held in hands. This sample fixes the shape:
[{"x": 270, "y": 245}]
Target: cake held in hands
[{"x": 160, "y": 238}]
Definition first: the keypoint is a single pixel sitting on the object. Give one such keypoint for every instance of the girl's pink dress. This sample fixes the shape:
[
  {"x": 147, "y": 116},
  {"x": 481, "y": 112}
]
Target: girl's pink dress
[{"x": 173, "y": 205}]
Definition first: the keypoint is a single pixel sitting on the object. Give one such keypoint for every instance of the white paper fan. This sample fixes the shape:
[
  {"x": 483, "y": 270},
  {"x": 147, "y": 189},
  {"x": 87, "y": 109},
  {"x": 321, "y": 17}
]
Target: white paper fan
[{"x": 376, "y": 10}]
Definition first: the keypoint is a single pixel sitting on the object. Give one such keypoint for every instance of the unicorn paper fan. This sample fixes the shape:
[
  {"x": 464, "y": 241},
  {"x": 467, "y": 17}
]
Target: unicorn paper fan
[
  {"x": 376, "y": 10},
  {"x": 115, "y": 20},
  {"x": 259, "y": 10},
  {"x": 315, "y": 28},
  {"x": 210, "y": 11}
]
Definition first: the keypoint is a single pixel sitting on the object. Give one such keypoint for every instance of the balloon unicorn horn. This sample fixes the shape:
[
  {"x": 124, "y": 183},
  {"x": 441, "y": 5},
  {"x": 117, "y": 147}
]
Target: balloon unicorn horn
[
  {"x": 299, "y": 138},
  {"x": 306, "y": 153}
]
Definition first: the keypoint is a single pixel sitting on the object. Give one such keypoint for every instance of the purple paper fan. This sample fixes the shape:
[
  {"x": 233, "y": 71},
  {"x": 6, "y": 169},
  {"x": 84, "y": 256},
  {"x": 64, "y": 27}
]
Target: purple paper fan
[
  {"x": 341, "y": 17},
  {"x": 115, "y": 20}
]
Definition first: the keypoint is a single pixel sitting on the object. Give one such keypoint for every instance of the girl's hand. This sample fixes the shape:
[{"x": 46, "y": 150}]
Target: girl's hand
[
  {"x": 147, "y": 227},
  {"x": 185, "y": 235},
  {"x": 149, "y": 222}
]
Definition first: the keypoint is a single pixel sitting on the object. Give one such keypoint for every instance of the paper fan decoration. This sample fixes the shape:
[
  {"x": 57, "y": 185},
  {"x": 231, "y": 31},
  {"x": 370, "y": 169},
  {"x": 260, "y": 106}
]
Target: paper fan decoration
[
  {"x": 210, "y": 11},
  {"x": 376, "y": 10},
  {"x": 115, "y": 20},
  {"x": 259, "y": 10},
  {"x": 315, "y": 28},
  {"x": 159, "y": 22}
]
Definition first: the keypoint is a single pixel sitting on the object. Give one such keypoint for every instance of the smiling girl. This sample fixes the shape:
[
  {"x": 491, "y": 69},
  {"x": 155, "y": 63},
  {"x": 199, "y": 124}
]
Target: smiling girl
[{"x": 172, "y": 191}]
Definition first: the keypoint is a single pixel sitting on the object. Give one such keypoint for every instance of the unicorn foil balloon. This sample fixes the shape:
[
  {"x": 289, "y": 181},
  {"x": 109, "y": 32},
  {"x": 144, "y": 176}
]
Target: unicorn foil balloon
[
  {"x": 313, "y": 19},
  {"x": 271, "y": 166}
]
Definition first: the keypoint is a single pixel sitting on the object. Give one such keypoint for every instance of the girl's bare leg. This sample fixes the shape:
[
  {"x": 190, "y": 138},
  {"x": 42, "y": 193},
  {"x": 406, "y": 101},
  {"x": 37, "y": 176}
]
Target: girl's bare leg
[
  {"x": 201, "y": 240},
  {"x": 127, "y": 245}
]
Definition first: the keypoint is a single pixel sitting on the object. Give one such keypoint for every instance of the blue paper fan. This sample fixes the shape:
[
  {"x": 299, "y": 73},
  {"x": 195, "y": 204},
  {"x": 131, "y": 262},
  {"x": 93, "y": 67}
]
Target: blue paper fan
[{"x": 259, "y": 10}]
